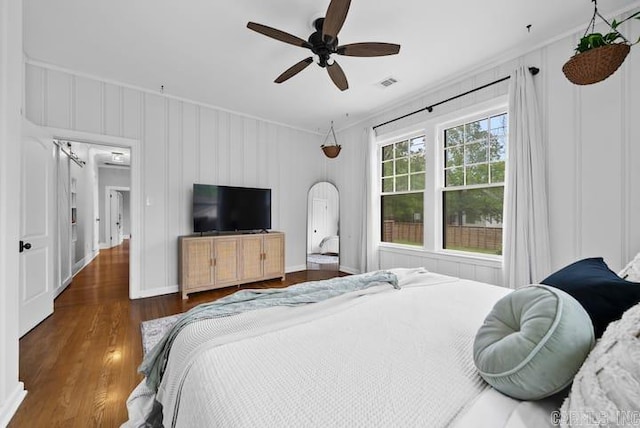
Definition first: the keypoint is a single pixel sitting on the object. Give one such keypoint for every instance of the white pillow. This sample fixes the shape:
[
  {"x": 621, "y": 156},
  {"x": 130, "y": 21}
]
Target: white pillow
[
  {"x": 631, "y": 271},
  {"x": 606, "y": 389}
]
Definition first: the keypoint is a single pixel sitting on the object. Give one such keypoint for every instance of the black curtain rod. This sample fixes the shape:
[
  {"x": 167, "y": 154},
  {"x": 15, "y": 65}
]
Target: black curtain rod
[{"x": 533, "y": 70}]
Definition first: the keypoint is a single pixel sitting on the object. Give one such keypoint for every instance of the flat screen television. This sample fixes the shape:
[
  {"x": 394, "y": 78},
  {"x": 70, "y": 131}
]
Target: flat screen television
[{"x": 227, "y": 208}]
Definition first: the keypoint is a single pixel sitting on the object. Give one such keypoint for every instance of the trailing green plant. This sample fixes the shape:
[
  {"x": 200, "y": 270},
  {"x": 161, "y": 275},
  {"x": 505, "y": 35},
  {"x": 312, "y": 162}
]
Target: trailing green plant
[{"x": 595, "y": 40}]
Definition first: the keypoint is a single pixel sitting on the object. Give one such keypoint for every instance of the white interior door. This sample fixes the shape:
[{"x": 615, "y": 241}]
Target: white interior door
[
  {"x": 319, "y": 223},
  {"x": 114, "y": 223},
  {"x": 37, "y": 232}
]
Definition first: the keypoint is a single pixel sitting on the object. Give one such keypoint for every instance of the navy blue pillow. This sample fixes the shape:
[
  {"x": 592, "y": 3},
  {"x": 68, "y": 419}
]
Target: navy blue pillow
[{"x": 603, "y": 294}]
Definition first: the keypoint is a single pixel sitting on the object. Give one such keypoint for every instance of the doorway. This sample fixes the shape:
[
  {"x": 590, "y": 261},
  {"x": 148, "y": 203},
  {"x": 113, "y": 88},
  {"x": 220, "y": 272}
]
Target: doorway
[
  {"x": 87, "y": 173},
  {"x": 323, "y": 240},
  {"x": 116, "y": 216}
]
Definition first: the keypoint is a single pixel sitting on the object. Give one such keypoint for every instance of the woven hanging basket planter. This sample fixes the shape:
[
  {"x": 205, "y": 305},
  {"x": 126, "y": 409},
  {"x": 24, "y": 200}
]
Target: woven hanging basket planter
[
  {"x": 331, "y": 151},
  {"x": 595, "y": 65}
]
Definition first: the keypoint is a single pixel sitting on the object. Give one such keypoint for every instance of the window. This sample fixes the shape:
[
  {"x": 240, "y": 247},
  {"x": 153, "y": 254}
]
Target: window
[
  {"x": 473, "y": 191},
  {"x": 402, "y": 198}
]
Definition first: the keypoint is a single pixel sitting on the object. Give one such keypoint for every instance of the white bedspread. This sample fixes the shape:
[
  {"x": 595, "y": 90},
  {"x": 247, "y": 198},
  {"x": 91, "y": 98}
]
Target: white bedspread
[{"x": 379, "y": 357}]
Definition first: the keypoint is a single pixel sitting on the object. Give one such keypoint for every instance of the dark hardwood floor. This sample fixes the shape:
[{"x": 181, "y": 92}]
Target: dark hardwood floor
[{"x": 80, "y": 364}]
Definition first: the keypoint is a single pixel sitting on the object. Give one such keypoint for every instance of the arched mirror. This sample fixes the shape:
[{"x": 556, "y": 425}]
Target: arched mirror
[{"x": 323, "y": 240}]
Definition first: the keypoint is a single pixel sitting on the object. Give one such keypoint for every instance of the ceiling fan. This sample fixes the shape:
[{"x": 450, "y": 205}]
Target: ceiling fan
[{"x": 324, "y": 43}]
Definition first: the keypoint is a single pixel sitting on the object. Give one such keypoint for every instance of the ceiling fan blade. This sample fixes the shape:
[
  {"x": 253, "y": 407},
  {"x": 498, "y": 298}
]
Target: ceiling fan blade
[
  {"x": 368, "y": 49},
  {"x": 292, "y": 71},
  {"x": 333, "y": 21},
  {"x": 338, "y": 76},
  {"x": 278, "y": 35}
]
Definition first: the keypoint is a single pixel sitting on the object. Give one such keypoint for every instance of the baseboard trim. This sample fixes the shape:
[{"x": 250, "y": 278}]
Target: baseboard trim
[
  {"x": 9, "y": 408},
  {"x": 104, "y": 246},
  {"x": 153, "y": 292},
  {"x": 84, "y": 262},
  {"x": 63, "y": 287},
  {"x": 347, "y": 269},
  {"x": 298, "y": 268}
]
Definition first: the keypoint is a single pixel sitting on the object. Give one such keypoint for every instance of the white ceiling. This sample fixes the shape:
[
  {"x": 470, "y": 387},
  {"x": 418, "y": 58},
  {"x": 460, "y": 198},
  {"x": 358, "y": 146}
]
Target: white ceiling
[
  {"x": 201, "y": 49},
  {"x": 102, "y": 155}
]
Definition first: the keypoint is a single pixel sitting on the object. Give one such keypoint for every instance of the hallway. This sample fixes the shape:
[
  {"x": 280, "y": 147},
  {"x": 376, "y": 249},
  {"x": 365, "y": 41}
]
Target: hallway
[{"x": 80, "y": 364}]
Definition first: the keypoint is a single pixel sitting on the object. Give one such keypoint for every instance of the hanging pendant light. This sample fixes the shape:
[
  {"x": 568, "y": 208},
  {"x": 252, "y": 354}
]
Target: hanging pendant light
[{"x": 333, "y": 150}]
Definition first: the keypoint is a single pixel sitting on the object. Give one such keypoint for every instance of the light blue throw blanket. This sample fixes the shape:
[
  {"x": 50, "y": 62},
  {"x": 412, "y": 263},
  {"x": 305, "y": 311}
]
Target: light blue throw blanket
[{"x": 155, "y": 361}]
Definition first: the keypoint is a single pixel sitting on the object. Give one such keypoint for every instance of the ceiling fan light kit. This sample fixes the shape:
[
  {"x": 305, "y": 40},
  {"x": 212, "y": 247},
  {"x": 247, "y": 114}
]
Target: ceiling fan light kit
[{"x": 324, "y": 42}]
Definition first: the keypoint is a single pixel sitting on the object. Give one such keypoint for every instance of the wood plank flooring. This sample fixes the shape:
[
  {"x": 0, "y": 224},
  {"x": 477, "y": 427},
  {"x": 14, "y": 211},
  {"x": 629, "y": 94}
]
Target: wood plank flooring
[{"x": 80, "y": 364}]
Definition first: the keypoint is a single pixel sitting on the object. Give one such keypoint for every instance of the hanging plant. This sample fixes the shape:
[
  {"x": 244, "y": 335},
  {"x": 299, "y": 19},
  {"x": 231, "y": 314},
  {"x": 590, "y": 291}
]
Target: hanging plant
[
  {"x": 331, "y": 151},
  {"x": 598, "y": 55}
]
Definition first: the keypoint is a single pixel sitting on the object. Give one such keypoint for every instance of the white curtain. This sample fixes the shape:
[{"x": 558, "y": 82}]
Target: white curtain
[
  {"x": 370, "y": 230},
  {"x": 526, "y": 240}
]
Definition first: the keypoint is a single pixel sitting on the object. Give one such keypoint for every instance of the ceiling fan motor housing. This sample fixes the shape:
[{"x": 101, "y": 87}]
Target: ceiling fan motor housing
[{"x": 319, "y": 46}]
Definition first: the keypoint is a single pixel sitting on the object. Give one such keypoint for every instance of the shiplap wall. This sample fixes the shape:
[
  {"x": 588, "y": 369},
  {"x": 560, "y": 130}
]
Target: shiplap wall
[
  {"x": 184, "y": 143},
  {"x": 593, "y": 150}
]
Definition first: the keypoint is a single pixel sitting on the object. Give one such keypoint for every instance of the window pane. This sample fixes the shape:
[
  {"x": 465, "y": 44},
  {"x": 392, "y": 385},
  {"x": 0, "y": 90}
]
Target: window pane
[
  {"x": 417, "y": 163},
  {"x": 473, "y": 220},
  {"x": 402, "y": 183},
  {"x": 387, "y": 169},
  {"x": 499, "y": 121},
  {"x": 387, "y": 152},
  {"x": 454, "y": 177},
  {"x": 417, "y": 181},
  {"x": 497, "y": 148},
  {"x": 402, "y": 149},
  {"x": 475, "y": 153},
  {"x": 497, "y": 172},
  {"x": 387, "y": 185},
  {"x": 475, "y": 131},
  {"x": 402, "y": 166},
  {"x": 477, "y": 174},
  {"x": 454, "y": 156},
  {"x": 417, "y": 145},
  {"x": 402, "y": 221},
  {"x": 454, "y": 136}
]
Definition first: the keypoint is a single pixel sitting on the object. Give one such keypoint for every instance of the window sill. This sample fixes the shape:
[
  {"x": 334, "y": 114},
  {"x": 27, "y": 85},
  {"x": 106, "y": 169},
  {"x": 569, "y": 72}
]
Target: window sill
[{"x": 450, "y": 255}]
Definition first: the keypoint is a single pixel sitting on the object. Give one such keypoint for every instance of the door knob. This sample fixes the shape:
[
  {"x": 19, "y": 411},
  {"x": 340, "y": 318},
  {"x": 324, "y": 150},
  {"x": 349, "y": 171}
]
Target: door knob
[{"x": 24, "y": 246}]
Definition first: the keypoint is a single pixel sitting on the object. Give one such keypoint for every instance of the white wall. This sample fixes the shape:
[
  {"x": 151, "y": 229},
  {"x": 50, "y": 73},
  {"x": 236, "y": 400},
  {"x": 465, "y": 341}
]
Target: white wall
[
  {"x": 183, "y": 143},
  {"x": 11, "y": 391},
  {"x": 64, "y": 224},
  {"x": 107, "y": 176},
  {"x": 593, "y": 150},
  {"x": 126, "y": 212},
  {"x": 85, "y": 249}
]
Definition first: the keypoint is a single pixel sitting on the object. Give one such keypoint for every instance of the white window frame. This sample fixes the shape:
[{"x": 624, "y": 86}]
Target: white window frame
[
  {"x": 397, "y": 138},
  {"x": 433, "y": 130},
  {"x": 498, "y": 108}
]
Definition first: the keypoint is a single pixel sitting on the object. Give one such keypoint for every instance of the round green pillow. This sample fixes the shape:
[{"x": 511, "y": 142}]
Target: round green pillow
[{"x": 533, "y": 342}]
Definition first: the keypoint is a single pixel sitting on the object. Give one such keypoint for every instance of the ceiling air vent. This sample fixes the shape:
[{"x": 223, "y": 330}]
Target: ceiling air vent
[{"x": 388, "y": 82}]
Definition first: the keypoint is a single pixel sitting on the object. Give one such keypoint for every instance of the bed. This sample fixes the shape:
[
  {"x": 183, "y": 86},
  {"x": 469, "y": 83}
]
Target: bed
[
  {"x": 380, "y": 356},
  {"x": 330, "y": 245}
]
